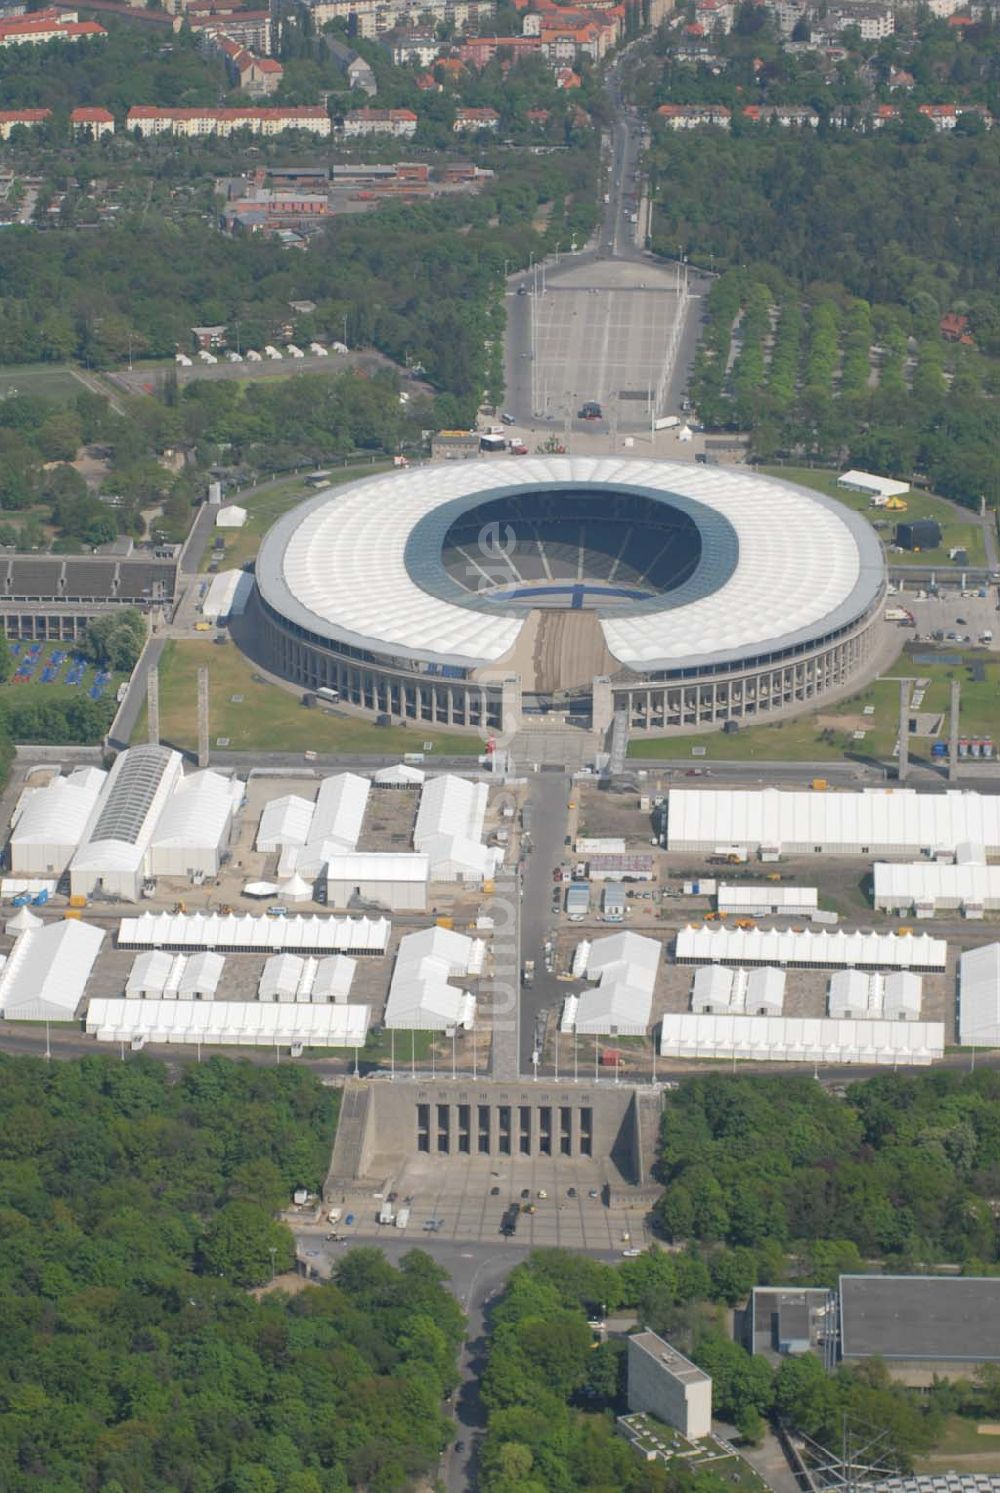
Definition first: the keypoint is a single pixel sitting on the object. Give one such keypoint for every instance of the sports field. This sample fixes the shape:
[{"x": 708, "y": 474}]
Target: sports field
[{"x": 43, "y": 380}]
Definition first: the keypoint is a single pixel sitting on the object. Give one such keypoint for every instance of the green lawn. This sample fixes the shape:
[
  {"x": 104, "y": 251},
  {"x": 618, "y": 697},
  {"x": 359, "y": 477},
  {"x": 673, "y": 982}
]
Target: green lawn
[
  {"x": 43, "y": 380},
  {"x": 956, "y": 532},
  {"x": 821, "y": 738},
  {"x": 264, "y": 508},
  {"x": 963, "y": 1440},
  {"x": 269, "y": 717}
]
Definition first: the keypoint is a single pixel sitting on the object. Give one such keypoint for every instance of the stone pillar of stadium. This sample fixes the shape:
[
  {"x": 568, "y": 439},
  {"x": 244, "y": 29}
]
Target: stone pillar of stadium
[
  {"x": 903, "y": 768},
  {"x": 956, "y": 690}
]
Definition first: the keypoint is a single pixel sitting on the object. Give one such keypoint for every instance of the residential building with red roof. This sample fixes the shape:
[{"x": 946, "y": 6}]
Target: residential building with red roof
[
  {"x": 47, "y": 25},
  {"x": 694, "y": 116},
  {"x": 194, "y": 123},
  {"x": 27, "y": 119},
  {"x": 91, "y": 121}
]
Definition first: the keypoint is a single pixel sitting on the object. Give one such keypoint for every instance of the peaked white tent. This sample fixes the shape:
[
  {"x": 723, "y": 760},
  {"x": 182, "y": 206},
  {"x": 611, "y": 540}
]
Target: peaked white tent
[
  {"x": 400, "y": 776},
  {"x": 284, "y": 821},
  {"x": 22, "y": 920}
]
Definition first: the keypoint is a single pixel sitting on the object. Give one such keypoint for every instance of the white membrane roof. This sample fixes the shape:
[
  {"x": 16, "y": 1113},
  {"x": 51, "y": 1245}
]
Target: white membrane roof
[{"x": 780, "y": 565}]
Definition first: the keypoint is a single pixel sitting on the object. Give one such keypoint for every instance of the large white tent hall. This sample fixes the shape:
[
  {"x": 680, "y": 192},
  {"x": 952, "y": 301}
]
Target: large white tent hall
[
  {"x": 624, "y": 966},
  {"x": 876, "y": 822},
  {"x": 46, "y": 973},
  {"x": 421, "y": 997},
  {"x": 449, "y": 829}
]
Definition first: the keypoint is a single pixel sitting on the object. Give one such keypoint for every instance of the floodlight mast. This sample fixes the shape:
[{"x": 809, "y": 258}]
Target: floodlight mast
[{"x": 865, "y": 1458}]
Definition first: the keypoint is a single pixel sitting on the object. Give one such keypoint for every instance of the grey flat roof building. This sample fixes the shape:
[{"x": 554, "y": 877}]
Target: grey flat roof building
[{"x": 920, "y": 1318}]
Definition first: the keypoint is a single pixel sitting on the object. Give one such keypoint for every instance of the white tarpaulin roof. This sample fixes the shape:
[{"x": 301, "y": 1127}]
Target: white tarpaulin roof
[
  {"x": 868, "y": 482},
  {"x": 373, "y": 865},
  {"x": 290, "y": 977},
  {"x": 898, "y": 819},
  {"x": 198, "y": 812},
  {"x": 339, "y": 811},
  {"x": 708, "y": 945},
  {"x": 420, "y": 997},
  {"x": 47, "y": 971},
  {"x": 295, "y": 889},
  {"x": 449, "y": 828},
  {"x": 228, "y": 1023},
  {"x": 161, "y": 975},
  {"x": 198, "y": 930},
  {"x": 719, "y": 988},
  {"x": 285, "y": 821},
  {"x": 450, "y": 806},
  {"x": 791, "y": 1039},
  {"x": 231, "y": 517},
  {"x": 856, "y": 994},
  {"x": 927, "y": 882},
  {"x": 58, "y": 813},
  {"x": 22, "y": 920},
  {"x": 400, "y": 776},
  {"x": 747, "y": 894},
  {"x": 979, "y": 997},
  {"x": 625, "y": 965},
  {"x": 227, "y": 595}
]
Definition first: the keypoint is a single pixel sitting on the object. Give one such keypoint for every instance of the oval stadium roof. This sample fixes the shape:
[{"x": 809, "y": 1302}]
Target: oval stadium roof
[{"x": 350, "y": 565}]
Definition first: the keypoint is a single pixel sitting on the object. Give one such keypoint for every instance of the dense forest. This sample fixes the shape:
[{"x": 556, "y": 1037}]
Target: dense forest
[
  {"x": 137, "y": 1210},
  {"x": 823, "y": 336},
  {"x": 420, "y": 282},
  {"x": 903, "y": 1168},
  {"x": 552, "y": 1391}
]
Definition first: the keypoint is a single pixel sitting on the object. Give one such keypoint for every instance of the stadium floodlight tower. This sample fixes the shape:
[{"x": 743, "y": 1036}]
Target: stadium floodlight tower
[{"x": 865, "y": 1459}]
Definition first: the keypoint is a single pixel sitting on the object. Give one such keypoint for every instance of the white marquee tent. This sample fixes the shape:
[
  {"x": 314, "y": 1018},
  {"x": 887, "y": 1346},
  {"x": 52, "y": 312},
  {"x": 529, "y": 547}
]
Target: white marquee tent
[
  {"x": 396, "y": 878},
  {"x": 929, "y": 887},
  {"x": 228, "y": 1023},
  {"x": 855, "y": 994},
  {"x": 810, "y": 949},
  {"x": 449, "y": 829},
  {"x": 754, "y": 992},
  {"x": 249, "y": 934}
]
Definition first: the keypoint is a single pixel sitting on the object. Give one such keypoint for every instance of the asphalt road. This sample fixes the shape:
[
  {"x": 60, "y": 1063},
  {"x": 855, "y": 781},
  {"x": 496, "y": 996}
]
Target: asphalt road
[
  {"x": 475, "y": 1281},
  {"x": 547, "y": 798}
]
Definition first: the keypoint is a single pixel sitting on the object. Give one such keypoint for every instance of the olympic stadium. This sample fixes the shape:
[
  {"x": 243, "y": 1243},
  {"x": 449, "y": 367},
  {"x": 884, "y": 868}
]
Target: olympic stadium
[{"x": 480, "y": 593}]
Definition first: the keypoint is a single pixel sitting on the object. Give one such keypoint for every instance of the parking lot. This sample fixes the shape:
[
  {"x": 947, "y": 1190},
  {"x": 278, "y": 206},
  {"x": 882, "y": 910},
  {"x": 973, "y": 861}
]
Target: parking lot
[
  {"x": 953, "y": 616},
  {"x": 608, "y": 330}
]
